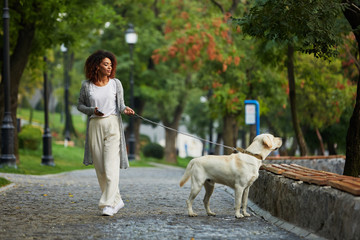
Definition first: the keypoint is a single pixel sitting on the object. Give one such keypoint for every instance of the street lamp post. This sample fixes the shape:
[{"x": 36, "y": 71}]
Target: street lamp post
[
  {"x": 7, "y": 129},
  {"x": 66, "y": 94},
  {"x": 131, "y": 39},
  {"x": 47, "y": 158}
]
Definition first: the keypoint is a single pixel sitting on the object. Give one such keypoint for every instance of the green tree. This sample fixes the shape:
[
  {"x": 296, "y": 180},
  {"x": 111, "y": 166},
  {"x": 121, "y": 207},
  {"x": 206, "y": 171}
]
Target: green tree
[
  {"x": 314, "y": 27},
  {"x": 324, "y": 92},
  {"x": 312, "y": 30},
  {"x": 36, "y": 26}
]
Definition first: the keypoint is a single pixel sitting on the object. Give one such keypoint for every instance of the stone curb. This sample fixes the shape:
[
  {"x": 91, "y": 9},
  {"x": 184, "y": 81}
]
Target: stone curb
[
  {"x": 160, "y": 165},
  {"x": 324, "y": 211},
  {"x": 4, "y": 188},
  {"x": 277, "y": 221}
]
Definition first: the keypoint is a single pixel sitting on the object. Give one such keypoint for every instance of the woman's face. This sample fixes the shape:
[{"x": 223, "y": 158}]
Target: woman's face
[{"x": 105, "y": 67}]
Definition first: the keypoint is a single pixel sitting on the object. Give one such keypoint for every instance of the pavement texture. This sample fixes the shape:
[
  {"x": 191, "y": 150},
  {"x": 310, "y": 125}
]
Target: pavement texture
[{"x": 64, "y": 206}]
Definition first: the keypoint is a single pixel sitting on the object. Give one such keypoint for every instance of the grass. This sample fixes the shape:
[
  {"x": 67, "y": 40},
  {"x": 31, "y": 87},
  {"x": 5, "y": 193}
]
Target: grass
[
  {"x": 56, "y": 123},
  {"x": 55, "y": 120},
  {"x": 4, "y": 182},
  {"x": 65, "y": 159}
]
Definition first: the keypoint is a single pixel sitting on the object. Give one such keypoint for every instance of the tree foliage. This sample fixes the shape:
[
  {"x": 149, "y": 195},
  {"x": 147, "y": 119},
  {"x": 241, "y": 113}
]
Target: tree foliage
[
  {"x": 190, "y": 48},
  {"x": 36, "y": 26},
  {"x": 323, "y": 91},
  {"x": 313, "y": 26}
]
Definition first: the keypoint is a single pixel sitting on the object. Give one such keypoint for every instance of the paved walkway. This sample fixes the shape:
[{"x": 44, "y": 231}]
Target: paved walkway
[{"x": 64, "y": 206}]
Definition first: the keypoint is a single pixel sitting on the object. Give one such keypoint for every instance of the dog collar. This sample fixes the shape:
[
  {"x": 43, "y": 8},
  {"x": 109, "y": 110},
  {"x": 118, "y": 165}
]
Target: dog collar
[{"x": 258, "y": 156}]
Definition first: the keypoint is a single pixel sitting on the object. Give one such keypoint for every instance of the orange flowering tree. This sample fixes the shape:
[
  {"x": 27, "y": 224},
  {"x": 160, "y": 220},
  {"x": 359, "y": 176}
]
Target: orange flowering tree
[
  {"x": 194, "y": 36},
  {"x": 199, "y": 46}
]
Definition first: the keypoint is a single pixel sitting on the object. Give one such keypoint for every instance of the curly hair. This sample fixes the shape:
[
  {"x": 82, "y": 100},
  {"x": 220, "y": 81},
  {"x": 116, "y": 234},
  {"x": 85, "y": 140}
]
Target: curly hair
[{"x": 94, "y": 60}]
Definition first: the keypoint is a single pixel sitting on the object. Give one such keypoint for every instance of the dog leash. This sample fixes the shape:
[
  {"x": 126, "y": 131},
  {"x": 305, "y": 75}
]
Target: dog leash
[
  {"x": 172, "y": 129},
  {"x": 201, "y": 139}
]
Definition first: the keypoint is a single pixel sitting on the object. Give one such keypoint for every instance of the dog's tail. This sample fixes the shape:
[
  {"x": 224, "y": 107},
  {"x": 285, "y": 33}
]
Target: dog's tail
[{"x": 187, "y": 173}]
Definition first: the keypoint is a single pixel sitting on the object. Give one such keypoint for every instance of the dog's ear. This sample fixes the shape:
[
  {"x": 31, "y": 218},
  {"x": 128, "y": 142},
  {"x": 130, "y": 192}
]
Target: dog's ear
[{"x": 267, "y": 142}]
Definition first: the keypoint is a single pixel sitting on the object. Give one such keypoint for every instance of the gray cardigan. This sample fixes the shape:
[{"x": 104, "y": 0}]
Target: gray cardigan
[{"x": 84, "y": 107}]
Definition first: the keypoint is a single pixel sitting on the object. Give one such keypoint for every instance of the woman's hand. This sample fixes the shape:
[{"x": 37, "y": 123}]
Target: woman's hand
[
  {"x": 98, "y": 113},
  {"x": 129, "y": 111}
]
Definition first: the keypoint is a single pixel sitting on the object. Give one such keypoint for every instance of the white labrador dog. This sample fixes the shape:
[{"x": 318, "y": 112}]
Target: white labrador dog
[{"x": 238, "y": 171}]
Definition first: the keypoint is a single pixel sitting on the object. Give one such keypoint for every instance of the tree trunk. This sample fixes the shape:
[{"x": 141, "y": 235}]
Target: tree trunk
[
  {"x": 243, "y": 139},
  {"x": 217, "y": 147},
  {"x": 139, "y": 106},
  {"x": 68, "y": 65},
  {"x": 170, "y": 135},
  {"x": 292, "y": 96},
  {"x": 322, "y": 148},
  {"x": 283, "y": 151},
  {"x": 170, "y": 146},
  {"x": 18, "y": 61},
  {"x": 352, "y": 163},
  {"x": 292, "y": 150},
  {"x": 71, "y": 123},
  {"x": 252, "y": 133},
  {"x": 230, "y": 133},
  {"x": 331, "y": 148}
]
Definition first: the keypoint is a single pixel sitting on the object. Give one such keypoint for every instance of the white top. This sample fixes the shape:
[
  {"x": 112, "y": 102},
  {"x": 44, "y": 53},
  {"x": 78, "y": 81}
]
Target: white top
[{"x": 104, "y": 98}]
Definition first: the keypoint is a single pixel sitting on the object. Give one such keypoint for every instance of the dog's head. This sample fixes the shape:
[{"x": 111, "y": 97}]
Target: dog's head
[
  {"x": 271, "y": 142},
  {"x": 264, "y": 144}
]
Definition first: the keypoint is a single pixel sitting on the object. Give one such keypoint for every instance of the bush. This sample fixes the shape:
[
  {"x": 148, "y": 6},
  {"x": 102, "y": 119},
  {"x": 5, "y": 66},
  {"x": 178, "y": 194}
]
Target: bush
[
  {"x": 30, "y": 137},
  {"x": 153, "y": 150},
  {"x": 144, "y": 140}
]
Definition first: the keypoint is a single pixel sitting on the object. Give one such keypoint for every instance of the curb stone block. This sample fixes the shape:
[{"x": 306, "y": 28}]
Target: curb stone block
[{"x": 324, "y": 211}]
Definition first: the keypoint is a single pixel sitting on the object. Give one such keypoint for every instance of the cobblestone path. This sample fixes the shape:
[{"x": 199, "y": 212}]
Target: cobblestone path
[{"x": 64, "y": 206}]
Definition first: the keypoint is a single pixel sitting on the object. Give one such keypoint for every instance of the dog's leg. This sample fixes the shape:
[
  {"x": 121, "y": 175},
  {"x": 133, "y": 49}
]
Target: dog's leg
[
  {"x": 238, "y": 196},
  {"x": 195, "y": 189},
  {"x": 209, "y": 187},
  {"x": 245, "y": 201}
]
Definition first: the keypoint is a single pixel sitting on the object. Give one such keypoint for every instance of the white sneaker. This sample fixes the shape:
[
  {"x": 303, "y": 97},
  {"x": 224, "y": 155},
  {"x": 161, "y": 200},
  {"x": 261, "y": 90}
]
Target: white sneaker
[
  {"x": 119, "y": 206},
  {"x": 108, "y": 211}
]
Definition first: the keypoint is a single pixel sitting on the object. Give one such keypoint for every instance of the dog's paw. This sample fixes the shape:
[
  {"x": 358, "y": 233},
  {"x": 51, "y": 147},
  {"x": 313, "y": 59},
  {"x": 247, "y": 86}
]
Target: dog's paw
[
  {"x": 192, "y": 215},
  {"x": 247, "y": 214},
  {"x": 211, "y": 214},
  {"x": 239, "y": 215}
]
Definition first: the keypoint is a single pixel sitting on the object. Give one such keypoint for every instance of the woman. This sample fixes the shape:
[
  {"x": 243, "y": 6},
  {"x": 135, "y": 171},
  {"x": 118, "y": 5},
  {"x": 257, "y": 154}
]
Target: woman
[{"x": 101, "y": 99}]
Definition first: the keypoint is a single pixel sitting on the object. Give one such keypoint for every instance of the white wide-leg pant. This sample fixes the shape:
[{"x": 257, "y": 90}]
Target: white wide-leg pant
[{"x": 104, "y": 140}]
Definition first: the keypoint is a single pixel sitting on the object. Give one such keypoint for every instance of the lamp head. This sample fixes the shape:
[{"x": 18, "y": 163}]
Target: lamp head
[{"x": 130, "y": 35}]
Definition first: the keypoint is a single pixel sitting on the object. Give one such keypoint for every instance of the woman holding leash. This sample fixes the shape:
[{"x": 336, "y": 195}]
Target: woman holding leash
[{"x": 101, "y": 99}]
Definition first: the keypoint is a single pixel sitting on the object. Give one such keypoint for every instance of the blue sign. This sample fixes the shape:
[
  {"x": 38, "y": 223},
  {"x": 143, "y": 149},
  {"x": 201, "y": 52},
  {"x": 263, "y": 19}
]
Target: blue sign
[{"x": 252, "y": 114}]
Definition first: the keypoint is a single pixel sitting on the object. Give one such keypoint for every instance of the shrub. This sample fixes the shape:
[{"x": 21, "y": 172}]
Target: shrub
[
  {"x": 144, "y": 140},
  {"x": 153, "y": 150},
  {"x": 30, "y": 137}
]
